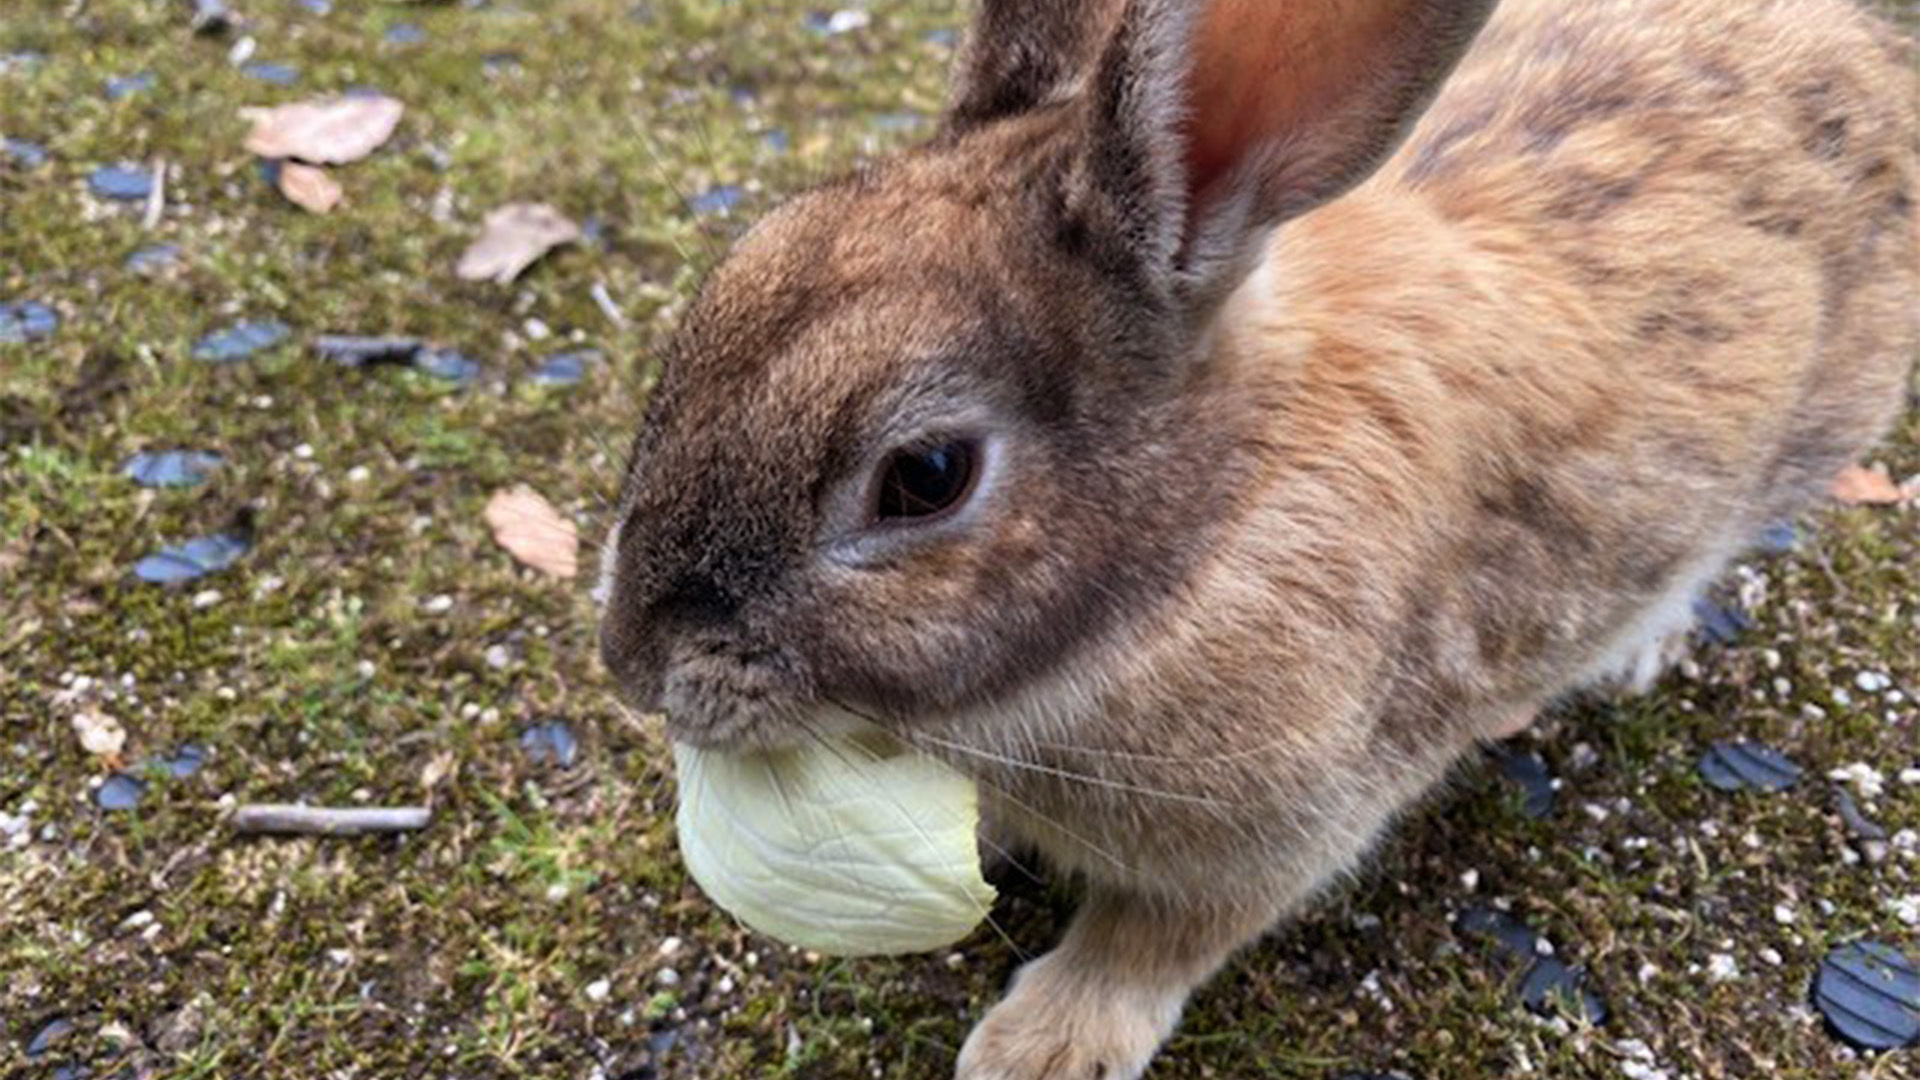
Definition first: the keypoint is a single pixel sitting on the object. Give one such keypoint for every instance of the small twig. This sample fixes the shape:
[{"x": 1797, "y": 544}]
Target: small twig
[
  {"x": 329, "y": 820},
  {"x": 157, "y": 196}
]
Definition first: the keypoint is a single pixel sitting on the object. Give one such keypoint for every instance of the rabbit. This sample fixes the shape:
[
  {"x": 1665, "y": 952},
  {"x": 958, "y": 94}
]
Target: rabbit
[{"x": 1239, "y": 410}]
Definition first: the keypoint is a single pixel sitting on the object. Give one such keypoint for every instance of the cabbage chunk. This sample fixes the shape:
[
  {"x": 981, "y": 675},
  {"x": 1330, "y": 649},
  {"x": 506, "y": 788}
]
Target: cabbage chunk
[{"x": 848, "y": 846}]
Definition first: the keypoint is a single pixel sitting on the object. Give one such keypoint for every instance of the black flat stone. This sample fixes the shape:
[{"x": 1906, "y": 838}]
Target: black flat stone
[
  {"x": 193, "y": 559},
  {"x": 26, "y": 320},
  {"x": 1550, "y": 987},
  {"x": 1536, "y": 783},
  {"x": 1747, "y": 766},
  {"x": 1869, "y": 994},
  {"x": 240, "y": 341},
  {"x": 171, "y": 468},
  {"x": 357, "y": 350}
]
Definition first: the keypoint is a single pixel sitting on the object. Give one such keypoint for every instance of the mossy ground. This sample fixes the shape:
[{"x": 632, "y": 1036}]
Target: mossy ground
[{"x": 318, "y": 673}]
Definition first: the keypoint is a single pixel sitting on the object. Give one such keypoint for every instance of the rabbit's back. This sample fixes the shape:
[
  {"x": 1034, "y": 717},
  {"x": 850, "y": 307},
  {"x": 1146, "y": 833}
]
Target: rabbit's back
[{"x": 1644, "y": 278}]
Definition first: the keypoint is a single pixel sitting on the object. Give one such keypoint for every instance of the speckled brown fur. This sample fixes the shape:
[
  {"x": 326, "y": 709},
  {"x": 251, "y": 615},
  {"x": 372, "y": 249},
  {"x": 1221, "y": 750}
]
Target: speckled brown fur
[{"x": 1280, "y": 522}]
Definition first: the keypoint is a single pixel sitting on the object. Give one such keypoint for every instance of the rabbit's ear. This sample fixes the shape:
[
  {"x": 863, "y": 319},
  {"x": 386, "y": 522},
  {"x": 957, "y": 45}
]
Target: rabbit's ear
[
  {"x": 1023, "y": 54},
  {"x": 1210, "y": 121}
]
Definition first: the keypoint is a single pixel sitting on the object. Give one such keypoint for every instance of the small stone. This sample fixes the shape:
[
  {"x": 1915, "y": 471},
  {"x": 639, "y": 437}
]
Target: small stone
[
  {"x": 1857, "y": 823},
  {"x": 171, "y": 467},
  {"x": 719, "y": 200},
  {"x": 121, "y": 87},
  {"x": 1867, "y": 781},
  {"x": 564, "y": 368},
  {"x": 1739, "y": 766},
  {"x": 192, "y": 559},
  {"x": 598, "y": 990},
  {"x": 26, "y": 320},
  {"x": 274, "y": 74},
  {"x": 1872, "y": 682},
  {"x": 1869, "y": 994},
  {"x": 153, "y": 259},
  {"x": 1536, "y": 783},
  {"x": 667, "y": 977},
  {"x": 550, "y": 743},
  {"x": 669, "y": 947},
  {"x": 438, "y": 605},
  {"x": 353, "y": 350},
  {"x": 1771, "y": 957},
  {"x": 27, "y": 155},
  {"x": 119, "y": 792},
  {"x": 1722, "y": 967},
  {"x": 1785, "y": 915},
  {"x": 121, "y": 182},
  {"x": 49, "y": 1035},
  {"x": 240, "y": 341},
  {"x": 405, "y": 34},
  {"x": 451, "y": 365}
]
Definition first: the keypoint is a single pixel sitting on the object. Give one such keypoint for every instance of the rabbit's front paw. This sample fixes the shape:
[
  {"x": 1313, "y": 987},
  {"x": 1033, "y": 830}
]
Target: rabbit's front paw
[{"x": 1053, "y": 1026}]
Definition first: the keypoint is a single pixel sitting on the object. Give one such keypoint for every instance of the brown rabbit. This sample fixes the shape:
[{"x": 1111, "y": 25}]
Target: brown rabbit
[{"x": 1205, "y": 546}]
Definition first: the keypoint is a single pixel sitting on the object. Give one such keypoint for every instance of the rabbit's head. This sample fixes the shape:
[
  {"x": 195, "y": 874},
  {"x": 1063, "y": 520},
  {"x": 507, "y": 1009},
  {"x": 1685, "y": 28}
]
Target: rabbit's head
[{"x": 931, "y": 428}]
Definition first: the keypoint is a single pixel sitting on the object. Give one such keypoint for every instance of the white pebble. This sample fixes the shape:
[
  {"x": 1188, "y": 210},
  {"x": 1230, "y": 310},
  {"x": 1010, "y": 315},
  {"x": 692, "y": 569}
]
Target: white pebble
[
  {"x": 1906, "y": 909},
  {"x": 669, "y": 946},
  {"x": 304, "y": 451},
  {"x": 667, "y": 977},
  {"x": 1771, "y": 957},
  {"x": 1910, "y": 777},
  {"x": 359, "y": 474},
  {"x": 598, "y": 989},
  {"x": 1722, "y": 967},
  {"x": 1785, "y": 915},
  {"x": 1872, "y": 682},
  {"x": 1867, "y": 781},
  {"x": 438, "y": 605},
  {"x": 206, "y": 598}
]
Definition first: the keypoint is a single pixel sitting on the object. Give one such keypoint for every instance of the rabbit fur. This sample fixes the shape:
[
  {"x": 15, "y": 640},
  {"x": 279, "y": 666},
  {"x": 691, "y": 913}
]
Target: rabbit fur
[{"x": 1349, "y": 381}]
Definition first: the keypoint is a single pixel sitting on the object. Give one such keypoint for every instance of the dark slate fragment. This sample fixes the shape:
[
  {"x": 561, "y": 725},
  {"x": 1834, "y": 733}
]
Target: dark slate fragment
[
  {"x": 1722, "y": 624},
  {"x": 50, "y": 1033},
  {"x": 1530, "y": 772},
  {"x": 500, "y": 63},
  {"x": 777, "y": 140},
  {"x": 565, "y": 368},
  {"x": 121, "y": 87},
  {"x": 1869, "y": 994},
  {"x": 153, "y": 258},
  {"x": 73, "y": 1071},
  {"x": 121, "y": 182},
  {"x": 240, "y": 341},
  {"x": 1508, "y": 934},
  {"x": 196, "y": 558},
  {"x": 1857, "y": 823},
  {"x": 944, "y": 37},
  {"x": 171, "y": 468},
  {"x": 27, "y": 155},
  {"x": 449, "y": 364},
  {"x": 717, "y": 200},
  {"x": 354, "y": 350},
  {"x": 1779, "y": 538},
  {"x": 276, "y": 74},
  {"x": 405, "y": 34},
  {"x": 26, "y": 320},
  {"x": 550, "y": 743},
  {"x": 1747, "y": 766},
  {"x": 212, "y": 17},
  {"x": 1551, "y": 988},
  {"x": 120, "y": 792},
  {"x": 184, "y": 763}
]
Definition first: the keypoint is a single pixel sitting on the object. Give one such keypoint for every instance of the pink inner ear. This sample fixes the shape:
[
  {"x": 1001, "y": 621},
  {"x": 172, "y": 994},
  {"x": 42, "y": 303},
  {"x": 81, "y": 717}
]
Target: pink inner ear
[{"x": 1266, "y": 70}]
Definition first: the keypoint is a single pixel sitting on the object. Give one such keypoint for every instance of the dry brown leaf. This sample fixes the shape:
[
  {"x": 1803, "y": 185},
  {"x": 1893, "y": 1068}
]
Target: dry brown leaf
[
  {"x": 100, "y": 735},
  {"x": 326, "y": 131},
  {"x": 512, "y": 239},
  {"x": 1862, "y": 486},
  {"x": 309, "y": 187},
  {"x": 534, "y": 532}
]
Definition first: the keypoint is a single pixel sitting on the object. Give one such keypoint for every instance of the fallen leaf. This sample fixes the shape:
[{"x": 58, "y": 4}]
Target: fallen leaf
[
  {"x": 533, "y": 532},
  {"x": 512, "y": 239},
  {"x": 1862, "y": 486},
  {"x": 309, "y": 187},
  {"x": 326, "y": 131},
  {"x": 100, "y": 735}
]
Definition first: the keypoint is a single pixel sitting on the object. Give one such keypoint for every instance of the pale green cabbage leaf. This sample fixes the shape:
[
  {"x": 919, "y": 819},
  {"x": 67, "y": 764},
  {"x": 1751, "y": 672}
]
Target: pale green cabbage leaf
[{"x": 848, "y": 846}]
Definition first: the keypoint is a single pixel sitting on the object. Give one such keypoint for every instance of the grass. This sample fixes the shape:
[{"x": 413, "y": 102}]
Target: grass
[{"x": 479, "y": 947}]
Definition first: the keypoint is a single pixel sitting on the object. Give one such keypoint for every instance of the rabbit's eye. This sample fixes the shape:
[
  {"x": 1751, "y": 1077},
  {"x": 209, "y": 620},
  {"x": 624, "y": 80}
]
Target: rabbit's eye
[{"x": 925, "y": 482}]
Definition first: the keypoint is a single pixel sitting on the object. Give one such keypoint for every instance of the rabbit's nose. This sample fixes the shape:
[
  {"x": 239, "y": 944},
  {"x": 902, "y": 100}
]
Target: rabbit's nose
[{"x": 691, "y": 601}]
